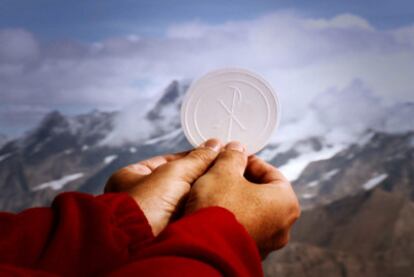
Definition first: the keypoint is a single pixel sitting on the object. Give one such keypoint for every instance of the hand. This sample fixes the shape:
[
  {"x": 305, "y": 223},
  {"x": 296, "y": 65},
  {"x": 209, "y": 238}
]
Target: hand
[
  {"x": 161, "y": 183},
  {"x": 259, "y": 196}
]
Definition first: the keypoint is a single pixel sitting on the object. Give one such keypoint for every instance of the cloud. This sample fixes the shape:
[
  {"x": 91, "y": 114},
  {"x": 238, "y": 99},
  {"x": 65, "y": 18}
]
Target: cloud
[
  {"x": 130, "y": 127},
  {"x": 354, "y": 107},
  {"x": 337, "y": 115},
  {"x": 17, "y": 46},
  {"x": 343, "y": 21},
  {"x": 300, "y": 56}
]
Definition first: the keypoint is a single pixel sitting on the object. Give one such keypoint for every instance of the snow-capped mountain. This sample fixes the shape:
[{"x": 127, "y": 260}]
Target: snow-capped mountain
[
  {"x": 50, "y": 157},
  {"x": 140, "y": 121},
  {"x": 335, "y": 120},
  {"x": 165, "y": 114},
  {"x": 382, "y": 160},
  {"x": 75, "y": 153},
  {"x": 343, "y": 169},
  {"x": 80, "y": 152}
]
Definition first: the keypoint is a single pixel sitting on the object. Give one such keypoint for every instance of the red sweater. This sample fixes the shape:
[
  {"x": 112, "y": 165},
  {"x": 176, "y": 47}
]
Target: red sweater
[{"x": 82, "y": 235}]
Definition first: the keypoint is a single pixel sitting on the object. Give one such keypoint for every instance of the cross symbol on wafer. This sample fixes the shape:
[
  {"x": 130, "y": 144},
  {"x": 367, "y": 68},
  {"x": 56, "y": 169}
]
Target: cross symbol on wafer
[{"x": 236, "y": 95}]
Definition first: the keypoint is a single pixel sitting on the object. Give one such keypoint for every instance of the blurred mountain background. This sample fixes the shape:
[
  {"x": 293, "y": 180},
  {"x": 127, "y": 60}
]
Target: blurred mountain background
[{"x": 104, "y": 86}]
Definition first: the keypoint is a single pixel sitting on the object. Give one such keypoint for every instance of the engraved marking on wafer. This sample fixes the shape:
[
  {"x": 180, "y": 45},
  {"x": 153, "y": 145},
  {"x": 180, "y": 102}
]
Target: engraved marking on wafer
[
  {"x": 236, "y": 95},
  {"x": 196, "y": 122}
]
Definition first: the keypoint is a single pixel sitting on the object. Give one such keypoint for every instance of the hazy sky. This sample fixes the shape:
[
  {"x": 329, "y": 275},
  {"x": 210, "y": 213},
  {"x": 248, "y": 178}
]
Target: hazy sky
[
  {"x": 91, "y": 20},
  {"x": 78, "y": 55}
]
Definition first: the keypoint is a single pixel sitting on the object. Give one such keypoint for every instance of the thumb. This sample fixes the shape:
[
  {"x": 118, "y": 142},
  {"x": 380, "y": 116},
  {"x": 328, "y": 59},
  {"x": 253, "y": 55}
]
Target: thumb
[
  {"x": 232, "y": 160},
  {"x": 195, "y": 163}
]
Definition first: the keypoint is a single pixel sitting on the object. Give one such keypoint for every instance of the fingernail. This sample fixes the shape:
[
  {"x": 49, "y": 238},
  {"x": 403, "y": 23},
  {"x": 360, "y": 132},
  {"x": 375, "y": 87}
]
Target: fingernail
[
  {"x": 235, "y": 145},
  {"x": 213, "y": 144}
]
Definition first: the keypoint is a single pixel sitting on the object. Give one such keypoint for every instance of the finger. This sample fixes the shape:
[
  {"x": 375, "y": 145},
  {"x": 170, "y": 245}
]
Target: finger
[
  {"x": 130, "y": 175},
  {"x": 232, "y": 160},
  {"x": 194, "y": 164},
  {"x": 121, "y": 180},
  {"x": 261, "y": 172},
  {"x": 147, "y": 166}
]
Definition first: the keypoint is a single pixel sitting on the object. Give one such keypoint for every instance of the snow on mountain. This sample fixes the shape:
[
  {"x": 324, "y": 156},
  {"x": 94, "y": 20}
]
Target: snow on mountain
[
  {"x": 347, "y": 143},
  {"x": 338, "y": 118},
  {"x": 384, "y": 161},
  {"x": 336, "y": 115},
  {"x": 59, "y": 183},
  {"x": 89, "y": 143},
  {"x": 4, "y": 156},
  {"x": 166, "y": 137},
  {"x": 56, "y": 131},
  {"x": 328, "y": 175},
  {"x": 110, "y": 159},
  {"x": 294, "y": 167},
  {"x": 92, "y": 125},
  {"x": 96, "y": 144},
  {"x": 374, "y": 181},
  {"x": 335, "y": 119}
]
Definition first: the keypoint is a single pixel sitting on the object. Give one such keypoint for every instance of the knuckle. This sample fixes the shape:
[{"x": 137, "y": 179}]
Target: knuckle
[
  {"x": 294, "y": 214},
  {"x": 232, "y": 157},
  {"x": 232, "y": 154},
  {"x": 203, "y": 155},
  {"x": 168, "y": 167},
  {"x": 282, "y": 242},
  {"x": 282, "y": 239}
]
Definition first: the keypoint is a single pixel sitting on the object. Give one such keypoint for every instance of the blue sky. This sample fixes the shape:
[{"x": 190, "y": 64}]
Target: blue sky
[
  {"x": 75, "y": 56},
  {"x": 90, "y": 20}
]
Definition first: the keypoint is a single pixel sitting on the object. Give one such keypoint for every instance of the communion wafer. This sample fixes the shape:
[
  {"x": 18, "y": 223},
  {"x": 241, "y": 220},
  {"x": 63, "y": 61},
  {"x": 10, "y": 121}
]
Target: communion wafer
[{"x": 230, "y": 104}]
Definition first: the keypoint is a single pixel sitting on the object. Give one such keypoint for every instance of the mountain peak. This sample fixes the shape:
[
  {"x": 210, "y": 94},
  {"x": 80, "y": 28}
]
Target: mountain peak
[
  {"x": 53, "y": 122},
  {"x": 52, "y": 118},
  {"x": 171, "y": 93},
  {"x": 169, "y": 101},
  {"x": 164, "y": 117}
]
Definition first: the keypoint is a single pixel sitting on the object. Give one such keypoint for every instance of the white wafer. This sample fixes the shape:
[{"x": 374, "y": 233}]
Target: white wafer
[{"x": 231, "y": 104}]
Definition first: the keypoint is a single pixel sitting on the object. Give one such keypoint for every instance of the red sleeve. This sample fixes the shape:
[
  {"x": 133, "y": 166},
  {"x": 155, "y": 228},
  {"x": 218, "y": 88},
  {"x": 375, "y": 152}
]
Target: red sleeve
[
  {"x": 85, "y": 235},
  {"x": 209, "y": 242},
  {"x": 79, "y": 235}
]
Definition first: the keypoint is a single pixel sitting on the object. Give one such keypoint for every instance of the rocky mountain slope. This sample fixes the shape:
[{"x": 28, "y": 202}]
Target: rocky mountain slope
[
  {"x": 380, "y": 159},
  {"x": 358, "y": 218},
  {"x": 78, "y": 153},
  {"x": 58, "y": 147},
  {"x": 357, "y": 195},
  {"x": 368, "y": 234},
  {"x": 70, "y": 153}
]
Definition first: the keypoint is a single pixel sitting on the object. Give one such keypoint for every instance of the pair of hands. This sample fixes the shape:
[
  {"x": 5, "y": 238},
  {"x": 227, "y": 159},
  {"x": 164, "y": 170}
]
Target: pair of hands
[{"x": 259, "y": 196}]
